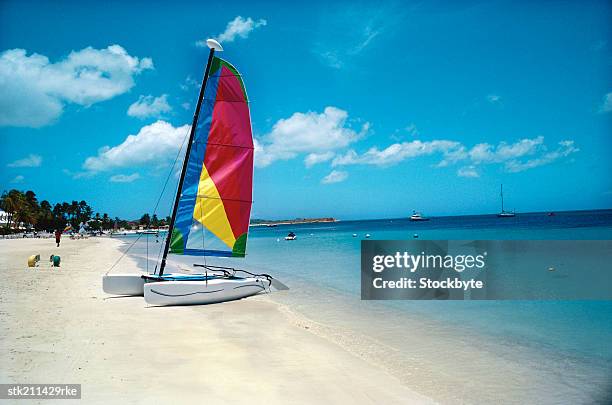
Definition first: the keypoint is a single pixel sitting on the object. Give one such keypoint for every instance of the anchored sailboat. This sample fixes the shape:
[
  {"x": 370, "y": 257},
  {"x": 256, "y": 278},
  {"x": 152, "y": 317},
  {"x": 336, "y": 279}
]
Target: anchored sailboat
[
  {"x": 212, "y": 207},
  {"x": 503, "y": 213}
]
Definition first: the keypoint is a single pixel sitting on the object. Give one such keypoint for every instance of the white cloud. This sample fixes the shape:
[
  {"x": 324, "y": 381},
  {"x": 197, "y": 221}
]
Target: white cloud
[
  {"x": 355, "y": 31},
  {"x": 78, "y": 175},
  {"x": 17, "y": 179},
  {"x": 316, "y": 158},
  {"x": 338, "y": 56},
  {"x": 154, "y": 143},
  {"x": 398, "y": 152},
  {"x": 31, "y": 160},
  {"x": 493, "y": 98},
  {"x": 336, "y": 176},
  {"x": 309, "y": 133},
  {"x": 239, "y": 27},
  {"x": 262, "y": 158},
  {"x": 412, "y": 129},
  {"x": 368, "y": 36},
  {"x": 34, "y": 91},
  {"x": 486, "y": 153},
  {"x": 190, "y": 83},
  {"x": 149, "y": 106},
  {"x": 606, "y": 106},
  {"x": 124, "y": 178},
  {"x": 468, "y": 171},
  {"x": 515, "y": 157},
  {"x": 331, "y": 59},
  {"x": 565, "y": 148}
]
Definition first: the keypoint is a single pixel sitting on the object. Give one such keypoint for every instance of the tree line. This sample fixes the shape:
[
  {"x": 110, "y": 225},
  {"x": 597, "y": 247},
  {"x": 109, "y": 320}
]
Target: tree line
[{"x": 23, "y": 210}]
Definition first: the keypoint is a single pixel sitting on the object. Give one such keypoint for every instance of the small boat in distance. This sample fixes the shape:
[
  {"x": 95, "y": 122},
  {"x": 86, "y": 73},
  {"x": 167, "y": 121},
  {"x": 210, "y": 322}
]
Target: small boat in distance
[
  {"x": 503, "y": 213},
  {"x": 416, "y": 216},
  {"x": 147, "y": 232},
  {"x": 291, "y": 236}
]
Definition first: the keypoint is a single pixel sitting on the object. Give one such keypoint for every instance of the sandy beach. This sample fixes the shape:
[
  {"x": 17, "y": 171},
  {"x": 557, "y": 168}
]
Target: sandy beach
[{"x": 57, "y": 326}]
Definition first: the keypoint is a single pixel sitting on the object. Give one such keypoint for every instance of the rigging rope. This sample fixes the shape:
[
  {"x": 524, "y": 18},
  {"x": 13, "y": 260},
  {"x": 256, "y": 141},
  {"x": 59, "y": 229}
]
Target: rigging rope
[
  {"x": 124, "y": 253},
  {"x": 161, "y": 194}
]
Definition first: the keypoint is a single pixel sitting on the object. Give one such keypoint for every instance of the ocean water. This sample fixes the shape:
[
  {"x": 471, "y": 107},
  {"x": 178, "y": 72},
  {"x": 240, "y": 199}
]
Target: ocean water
[{"x": 549, "y": 351}]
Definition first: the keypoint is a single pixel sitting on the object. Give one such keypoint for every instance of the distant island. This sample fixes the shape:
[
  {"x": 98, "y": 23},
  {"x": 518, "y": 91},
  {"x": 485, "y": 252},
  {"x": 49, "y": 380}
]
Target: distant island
[{"x": 270, "y": 222}]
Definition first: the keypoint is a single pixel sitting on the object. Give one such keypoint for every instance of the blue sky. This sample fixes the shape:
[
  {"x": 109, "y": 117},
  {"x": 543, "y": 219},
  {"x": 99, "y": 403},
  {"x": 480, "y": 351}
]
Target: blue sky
[{"x": 359, "y": 110}]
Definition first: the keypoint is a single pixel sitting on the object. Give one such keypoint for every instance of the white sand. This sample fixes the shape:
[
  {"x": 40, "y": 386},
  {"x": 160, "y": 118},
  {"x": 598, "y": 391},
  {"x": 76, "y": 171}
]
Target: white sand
[{"x": 57, "y": 326}]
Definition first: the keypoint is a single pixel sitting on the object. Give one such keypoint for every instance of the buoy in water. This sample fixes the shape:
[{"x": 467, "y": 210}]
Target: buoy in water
[
  {"x": 415, "y": 236},
  {"x": 367, "y": 235},
  {"x": 551, "y": 269},
  {"x": 354, "y": 235}
]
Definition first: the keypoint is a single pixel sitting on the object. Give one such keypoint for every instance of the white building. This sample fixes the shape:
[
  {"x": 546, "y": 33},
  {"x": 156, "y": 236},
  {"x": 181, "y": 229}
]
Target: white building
[{"x": 4, "y": 218}]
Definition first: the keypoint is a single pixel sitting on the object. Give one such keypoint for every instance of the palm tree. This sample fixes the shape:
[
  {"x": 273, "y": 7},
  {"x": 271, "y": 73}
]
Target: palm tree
[
  {"x": 106, "y": 221},
  {"x": 45, "y": 216},
  {"x": 74, "y": 212},
  {"x": 145, "y": 220},
  {"x": 12, "y": 202},
  {"x": 31, "y": 207},
  {"x": 24, "y": 215}
]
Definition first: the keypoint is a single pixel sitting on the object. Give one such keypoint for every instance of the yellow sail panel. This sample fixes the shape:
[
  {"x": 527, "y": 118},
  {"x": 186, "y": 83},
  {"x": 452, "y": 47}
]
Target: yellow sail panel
[{"x": 210, "y": 212}]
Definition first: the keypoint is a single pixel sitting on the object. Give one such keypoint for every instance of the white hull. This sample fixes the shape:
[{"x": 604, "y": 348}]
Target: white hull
[
  {"x": 418, "y": 217},
  {"x": 202, "y": 292},
  {"x": 123, "y": 284},
  {"x": 290, "y": 237}
]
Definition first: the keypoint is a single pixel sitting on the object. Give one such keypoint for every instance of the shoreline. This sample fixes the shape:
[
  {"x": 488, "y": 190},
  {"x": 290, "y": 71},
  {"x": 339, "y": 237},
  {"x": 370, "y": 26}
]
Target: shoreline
[
  {"x": 284, "y": 342},
  {"x": 59, "y": 322},
  {"x": 430, "y": 354}
]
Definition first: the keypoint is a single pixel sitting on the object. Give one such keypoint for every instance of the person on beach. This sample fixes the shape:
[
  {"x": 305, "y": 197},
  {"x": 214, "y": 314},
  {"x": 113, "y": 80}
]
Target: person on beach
[{"x": 58, "y": 236}]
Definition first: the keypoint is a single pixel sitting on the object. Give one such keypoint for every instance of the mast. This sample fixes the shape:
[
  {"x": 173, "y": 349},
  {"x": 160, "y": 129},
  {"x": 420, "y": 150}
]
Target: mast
[
  {"x": 214, "y": 46},
  {"x": 501, "y": 193}
]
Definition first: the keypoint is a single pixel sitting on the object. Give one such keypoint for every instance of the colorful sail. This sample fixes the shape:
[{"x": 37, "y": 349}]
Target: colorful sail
[{"x": 215, "y": 205}]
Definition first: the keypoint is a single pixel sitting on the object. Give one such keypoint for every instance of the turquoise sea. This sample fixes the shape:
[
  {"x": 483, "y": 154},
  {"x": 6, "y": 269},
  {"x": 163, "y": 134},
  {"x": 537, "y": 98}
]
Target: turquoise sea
[{"x": 542, "y": 351}]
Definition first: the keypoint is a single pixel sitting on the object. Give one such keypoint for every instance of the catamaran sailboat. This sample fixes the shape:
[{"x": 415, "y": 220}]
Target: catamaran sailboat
[
  {"x": 503, "y": 213},
  {"x": 212, "y": 208}
]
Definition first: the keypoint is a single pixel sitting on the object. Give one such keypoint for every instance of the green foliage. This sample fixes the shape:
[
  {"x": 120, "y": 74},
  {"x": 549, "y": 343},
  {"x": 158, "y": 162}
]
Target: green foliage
[
  {"x": 24, "y": 210},
  {"x": 145, "y": 220}
]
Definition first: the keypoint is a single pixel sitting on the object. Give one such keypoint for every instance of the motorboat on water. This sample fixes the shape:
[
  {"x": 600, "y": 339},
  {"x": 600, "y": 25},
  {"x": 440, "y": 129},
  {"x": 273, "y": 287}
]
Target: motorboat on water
[
  {"x": 291, "y": 236},
  {"x": 416, "y": 216}
]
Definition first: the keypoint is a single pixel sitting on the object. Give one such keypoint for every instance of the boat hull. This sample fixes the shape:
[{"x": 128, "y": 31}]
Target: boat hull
[
  {"x": 127, "y": 283},
  {"x": 201, "y": 292},
  {"x": 123, "y": 284}
]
